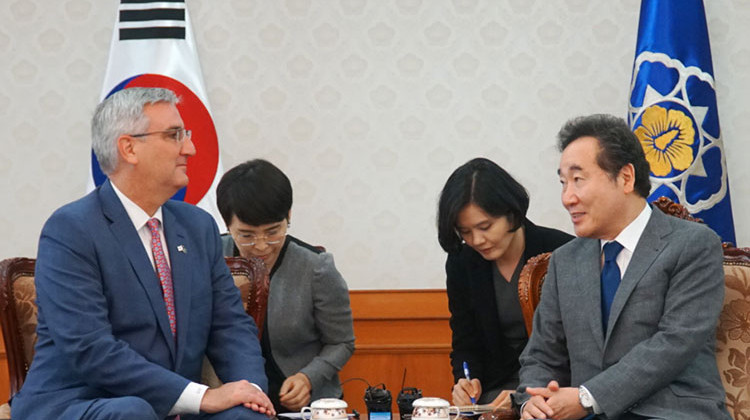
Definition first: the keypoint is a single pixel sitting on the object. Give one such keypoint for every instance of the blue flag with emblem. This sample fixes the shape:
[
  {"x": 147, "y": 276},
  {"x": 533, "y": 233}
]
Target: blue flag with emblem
[{"x": 673, "y": 111}]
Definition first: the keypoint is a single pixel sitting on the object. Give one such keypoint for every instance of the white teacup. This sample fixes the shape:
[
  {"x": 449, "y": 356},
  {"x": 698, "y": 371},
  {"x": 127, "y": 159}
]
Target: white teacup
[
  {"x": 433, "y": 409},
  {"x": 325, "y": 409}
]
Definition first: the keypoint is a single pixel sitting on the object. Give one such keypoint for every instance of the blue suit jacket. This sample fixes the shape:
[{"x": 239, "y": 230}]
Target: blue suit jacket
[{"x": 103, "y": 329}]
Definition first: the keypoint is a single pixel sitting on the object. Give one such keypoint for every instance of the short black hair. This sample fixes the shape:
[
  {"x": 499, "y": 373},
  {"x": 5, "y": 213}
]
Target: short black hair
[
  {"x": 482, "y": 182},
  {"x": 256, "y": 191},
  {"x": 618, "y": 146}
]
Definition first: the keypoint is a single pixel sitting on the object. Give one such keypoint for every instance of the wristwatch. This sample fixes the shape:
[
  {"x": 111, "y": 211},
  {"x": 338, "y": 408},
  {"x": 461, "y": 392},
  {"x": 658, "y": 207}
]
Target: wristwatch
[{"x": 586, "y": 400}]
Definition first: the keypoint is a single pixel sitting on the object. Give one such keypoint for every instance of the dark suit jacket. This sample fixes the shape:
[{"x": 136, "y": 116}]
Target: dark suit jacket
[
  {"x": 475, "y": 322},
  {"x": 103, "y": 329},
  {"x": 657, "y": 359}
]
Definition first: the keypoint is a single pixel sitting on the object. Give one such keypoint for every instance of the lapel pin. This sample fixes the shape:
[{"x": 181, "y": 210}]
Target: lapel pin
[{"x": 181, "y": 248}]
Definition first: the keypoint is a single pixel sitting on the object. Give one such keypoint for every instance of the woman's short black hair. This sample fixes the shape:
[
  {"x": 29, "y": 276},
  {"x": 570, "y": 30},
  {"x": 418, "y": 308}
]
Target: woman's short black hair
[
  {"x": 482, "y": 182},
  {"x": 256, "y": 191}
]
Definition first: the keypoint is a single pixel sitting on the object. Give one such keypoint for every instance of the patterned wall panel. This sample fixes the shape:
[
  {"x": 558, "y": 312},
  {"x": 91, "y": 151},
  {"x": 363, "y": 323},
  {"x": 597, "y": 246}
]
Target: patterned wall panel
[{"x": 367, "y": 105}]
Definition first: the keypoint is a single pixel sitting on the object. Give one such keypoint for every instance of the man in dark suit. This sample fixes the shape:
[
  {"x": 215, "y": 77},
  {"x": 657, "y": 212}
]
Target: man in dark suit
[
  {"x": 626, "y": 325},
  {"x": 133, "y": 290}
]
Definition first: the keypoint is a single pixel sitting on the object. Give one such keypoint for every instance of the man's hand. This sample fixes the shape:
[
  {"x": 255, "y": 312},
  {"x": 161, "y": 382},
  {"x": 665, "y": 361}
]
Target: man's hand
[
  {"x": 502, "y": 400},
  {"x": 235, "y": 393},
  {"x": 536, "y": 408},
  {"x": 463, "y": 390},
  {"x": 566, "y": 404},
  {"x": 295, "y": 391},
  {"x": 553, "y": 402}
]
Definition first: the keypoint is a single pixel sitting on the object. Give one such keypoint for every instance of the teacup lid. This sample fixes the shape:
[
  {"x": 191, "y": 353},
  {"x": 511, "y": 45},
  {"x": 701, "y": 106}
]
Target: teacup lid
[
  {"x": 430, "y": 402},
  {"x": 328, "y": 403}
]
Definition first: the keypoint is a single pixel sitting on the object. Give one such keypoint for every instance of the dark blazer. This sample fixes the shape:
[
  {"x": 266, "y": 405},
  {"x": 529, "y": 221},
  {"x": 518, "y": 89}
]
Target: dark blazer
[
  {"x": 475, "y": 322},
  {"x": 657, "y": 358},
  {"x": 103, "y": 329}
]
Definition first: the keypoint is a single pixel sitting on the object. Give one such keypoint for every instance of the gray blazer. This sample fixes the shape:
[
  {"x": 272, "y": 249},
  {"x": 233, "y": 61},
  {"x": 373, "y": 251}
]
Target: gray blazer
[
  {"x": 309, "y": 317},
  {"x": 657, "y": 359}
]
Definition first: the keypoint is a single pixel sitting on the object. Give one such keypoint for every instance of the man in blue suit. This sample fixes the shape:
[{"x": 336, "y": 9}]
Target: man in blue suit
[{"x": 133, "y": 290}]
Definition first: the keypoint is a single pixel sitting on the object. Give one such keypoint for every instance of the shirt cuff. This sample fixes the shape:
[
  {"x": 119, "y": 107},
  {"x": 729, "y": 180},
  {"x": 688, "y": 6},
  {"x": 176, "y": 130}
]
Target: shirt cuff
[
  {"x": 190, "y": 400},
  {"x": 257, "y": 386},
  {"x": 595, "y": 406}
]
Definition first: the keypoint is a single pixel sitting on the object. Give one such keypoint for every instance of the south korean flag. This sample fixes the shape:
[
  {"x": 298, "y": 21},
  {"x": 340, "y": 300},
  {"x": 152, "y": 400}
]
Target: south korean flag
[{"x": 153, "y": 46}]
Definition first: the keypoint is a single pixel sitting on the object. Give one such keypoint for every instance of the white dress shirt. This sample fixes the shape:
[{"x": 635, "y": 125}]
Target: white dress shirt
[{"x": 629, "y": 238}]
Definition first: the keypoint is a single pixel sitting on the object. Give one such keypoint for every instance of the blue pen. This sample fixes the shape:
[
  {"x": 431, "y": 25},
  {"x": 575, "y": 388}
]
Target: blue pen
[{"x": 468, "y": 378}]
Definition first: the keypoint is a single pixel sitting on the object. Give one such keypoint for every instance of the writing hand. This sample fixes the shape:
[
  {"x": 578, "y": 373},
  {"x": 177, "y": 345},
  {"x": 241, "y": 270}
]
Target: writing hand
[{"x": 463, "y": 390}]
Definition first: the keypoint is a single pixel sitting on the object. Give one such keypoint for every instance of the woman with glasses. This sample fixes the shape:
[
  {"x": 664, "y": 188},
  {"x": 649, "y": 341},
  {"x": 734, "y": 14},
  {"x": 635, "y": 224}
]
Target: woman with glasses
[
  {"x": 482, "y": 225},
  {"x": 308, "y": 334}
]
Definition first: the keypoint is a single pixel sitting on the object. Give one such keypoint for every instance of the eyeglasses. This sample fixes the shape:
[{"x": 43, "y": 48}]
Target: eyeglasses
[
  {"x": 178, "y": 135},
  {"x": 272, "y": 237}
]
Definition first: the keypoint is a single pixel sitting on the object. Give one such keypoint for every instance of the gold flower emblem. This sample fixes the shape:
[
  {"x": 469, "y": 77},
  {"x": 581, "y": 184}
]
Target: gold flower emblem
[{"x": 666, "y": 136}]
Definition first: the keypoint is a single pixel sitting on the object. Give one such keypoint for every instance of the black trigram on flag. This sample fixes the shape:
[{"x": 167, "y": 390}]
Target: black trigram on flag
[{"x": 144, "y": 20}]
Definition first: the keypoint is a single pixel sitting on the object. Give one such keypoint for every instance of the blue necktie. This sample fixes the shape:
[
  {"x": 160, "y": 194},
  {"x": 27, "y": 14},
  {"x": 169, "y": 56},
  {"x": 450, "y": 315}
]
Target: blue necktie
[{"x": 610, "y": 279}]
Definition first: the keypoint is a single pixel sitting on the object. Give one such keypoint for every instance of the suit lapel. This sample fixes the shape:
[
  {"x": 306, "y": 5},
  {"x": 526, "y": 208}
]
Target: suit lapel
[
  {"x": 177, "y": 243},
  {"x": 589, "y": 270},
  {"x": 649, "y": 246},
  {"x": 126, "y": 235}
]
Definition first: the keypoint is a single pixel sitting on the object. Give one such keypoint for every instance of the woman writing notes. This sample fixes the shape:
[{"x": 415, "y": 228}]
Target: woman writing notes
[
  {"x": 482, "y": 225},
  {"x": 308, "y": 336}
]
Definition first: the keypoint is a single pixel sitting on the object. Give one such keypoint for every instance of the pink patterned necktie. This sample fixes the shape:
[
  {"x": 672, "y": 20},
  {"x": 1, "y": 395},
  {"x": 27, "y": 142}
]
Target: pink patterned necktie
[{"x": 165, "y": 274}]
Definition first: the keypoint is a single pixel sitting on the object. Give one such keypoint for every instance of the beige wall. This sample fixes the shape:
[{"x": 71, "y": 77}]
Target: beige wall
[{"x": 368, "y": 105}]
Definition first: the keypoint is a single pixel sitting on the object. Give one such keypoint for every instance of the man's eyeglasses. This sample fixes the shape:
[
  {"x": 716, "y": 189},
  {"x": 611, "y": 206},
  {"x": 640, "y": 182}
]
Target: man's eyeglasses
[{"x": 178, "y": 135}]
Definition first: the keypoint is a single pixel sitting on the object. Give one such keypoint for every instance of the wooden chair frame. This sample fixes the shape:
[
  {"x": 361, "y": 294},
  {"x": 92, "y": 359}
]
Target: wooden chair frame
[
  {"x": 10, "y": 270},
  {"x": 257, "y": 297},
  {"x": 530, "y": 283}
]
